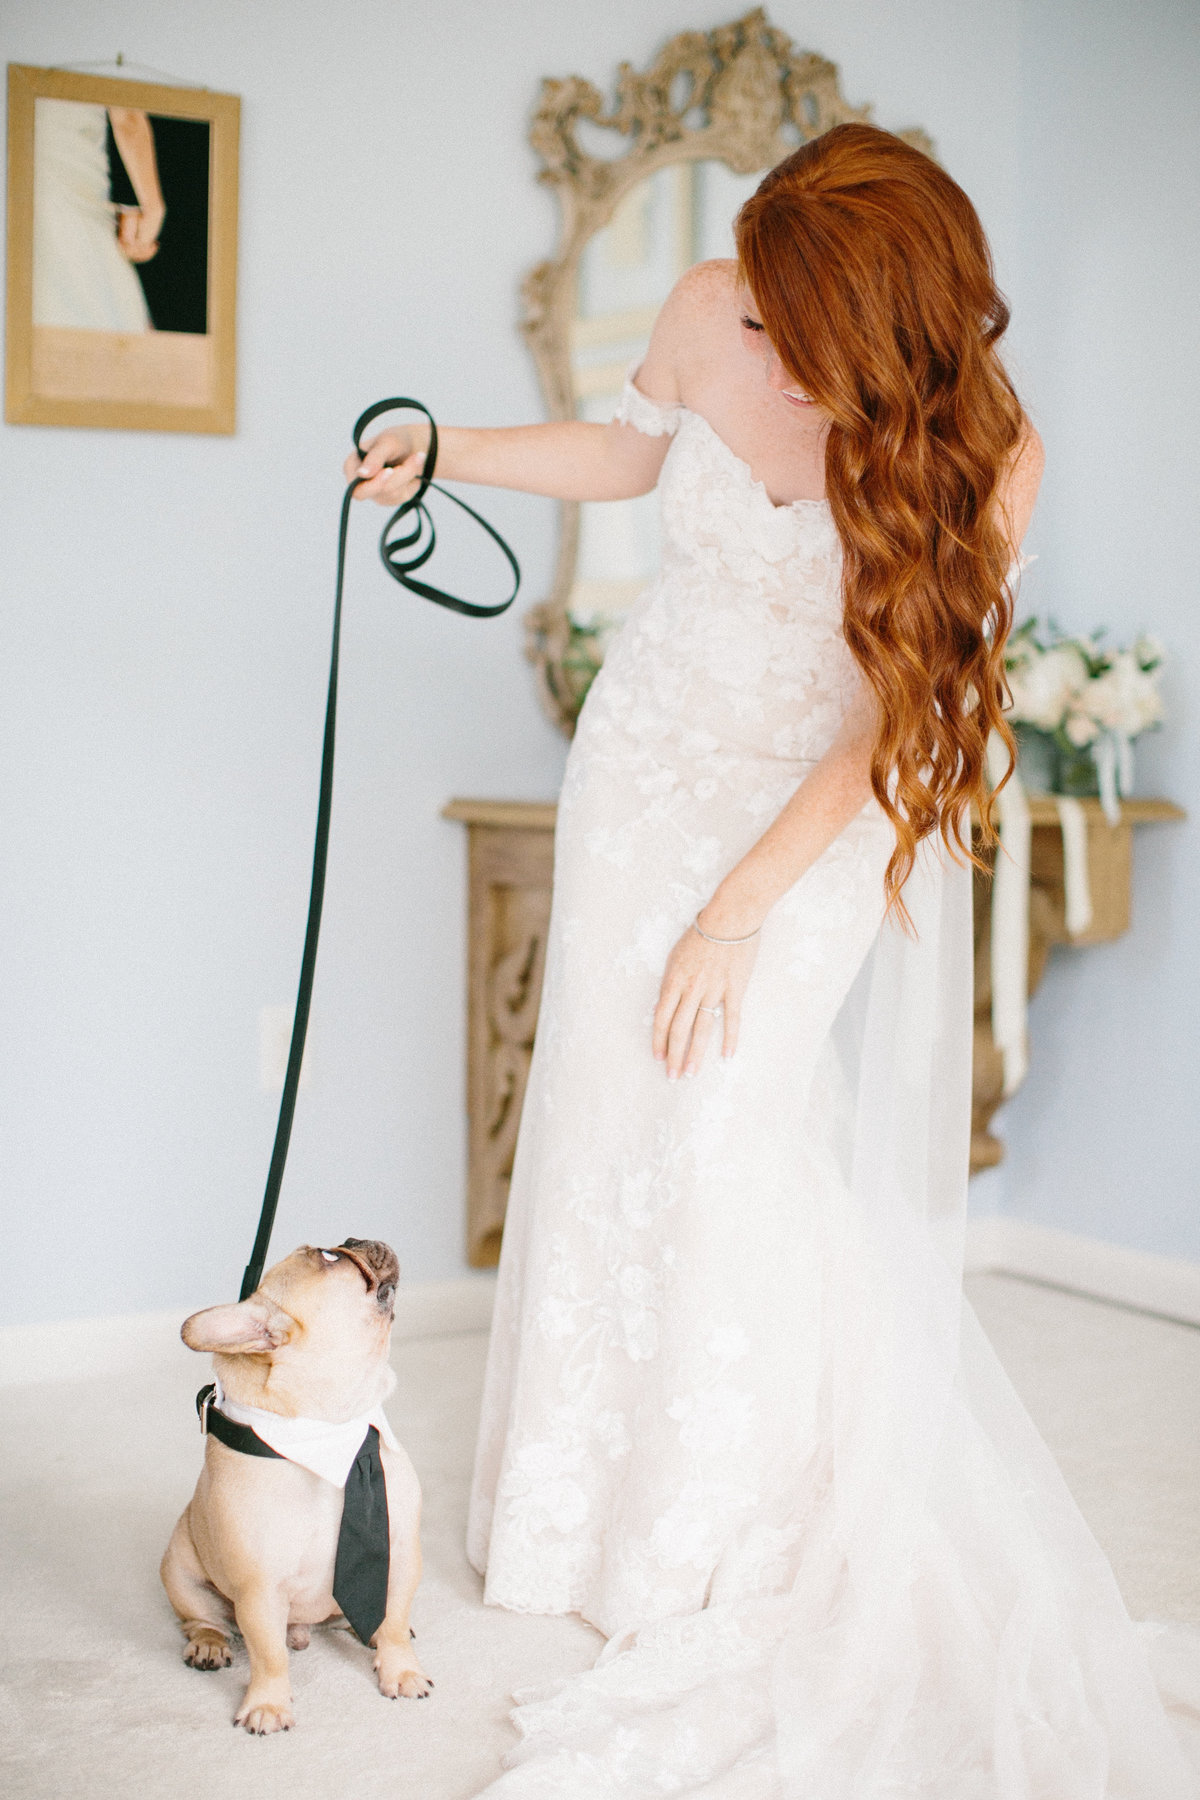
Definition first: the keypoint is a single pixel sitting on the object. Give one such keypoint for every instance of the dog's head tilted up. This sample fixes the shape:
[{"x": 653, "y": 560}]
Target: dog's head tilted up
[{"x": 315, "y": 1333}]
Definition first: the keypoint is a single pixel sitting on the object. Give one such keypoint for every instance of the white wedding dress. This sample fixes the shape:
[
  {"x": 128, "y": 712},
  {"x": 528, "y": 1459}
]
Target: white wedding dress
[
  {"x": 81, "y": 280},
  {"x": 737, "y": 1414}
]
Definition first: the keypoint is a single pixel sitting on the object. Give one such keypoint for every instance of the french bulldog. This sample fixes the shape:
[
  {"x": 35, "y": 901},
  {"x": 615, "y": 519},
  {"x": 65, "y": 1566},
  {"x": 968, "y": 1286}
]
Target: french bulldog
[{"x": 307, "y": 1353}]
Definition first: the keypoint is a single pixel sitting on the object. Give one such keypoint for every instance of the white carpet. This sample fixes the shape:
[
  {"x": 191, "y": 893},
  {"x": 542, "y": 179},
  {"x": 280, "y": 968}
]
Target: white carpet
[{"x": 97, "y": 1701}]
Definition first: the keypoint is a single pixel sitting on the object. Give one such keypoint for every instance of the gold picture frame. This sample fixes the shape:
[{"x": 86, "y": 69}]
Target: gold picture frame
[{"x": 117, "y": 317}]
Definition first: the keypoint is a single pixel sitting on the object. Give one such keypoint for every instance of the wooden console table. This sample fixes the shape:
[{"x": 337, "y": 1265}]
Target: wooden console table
[{"x": 511, "y": 861}]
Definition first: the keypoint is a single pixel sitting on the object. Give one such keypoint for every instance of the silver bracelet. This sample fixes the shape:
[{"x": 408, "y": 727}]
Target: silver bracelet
[{"x": 709, "y": 939}]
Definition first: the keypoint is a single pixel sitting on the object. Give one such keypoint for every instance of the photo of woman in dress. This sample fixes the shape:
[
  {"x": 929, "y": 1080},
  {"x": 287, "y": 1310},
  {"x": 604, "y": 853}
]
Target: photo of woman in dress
[
  {"x": 737, "y": 1414},
  {"x": 120, "y": 219},
  {"x": 84, "y": 247}
]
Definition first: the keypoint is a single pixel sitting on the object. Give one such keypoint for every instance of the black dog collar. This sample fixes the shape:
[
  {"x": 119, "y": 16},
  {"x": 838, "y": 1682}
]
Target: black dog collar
[{"x": 227, "y": 1431}]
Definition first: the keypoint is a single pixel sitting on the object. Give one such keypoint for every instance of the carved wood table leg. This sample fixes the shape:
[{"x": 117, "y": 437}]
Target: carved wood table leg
[{"x": 511, "y": 865}]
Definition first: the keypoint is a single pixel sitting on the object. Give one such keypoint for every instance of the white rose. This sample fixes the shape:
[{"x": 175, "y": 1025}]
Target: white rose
[
  {"x": 1081, "y": 729},
  {"x": 1044, "y": 687},
  {"x": 1126, "y": 697}
]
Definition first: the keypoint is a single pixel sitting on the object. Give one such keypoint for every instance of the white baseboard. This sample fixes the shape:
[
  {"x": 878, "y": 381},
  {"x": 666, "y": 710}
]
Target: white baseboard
[
  {"x": 76, "y": 1349},
  {"x": 444, "y": 1308},
  {"x": 1085, "y": 1265}
]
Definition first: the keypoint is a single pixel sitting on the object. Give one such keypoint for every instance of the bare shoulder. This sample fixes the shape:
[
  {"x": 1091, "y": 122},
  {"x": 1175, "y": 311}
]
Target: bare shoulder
[
  {"x": 708, "y": 283},
  {"x": 1021, "y": 481},
  {"x": 1029, "y": 458},
  {"x": 695, "y": 316}
]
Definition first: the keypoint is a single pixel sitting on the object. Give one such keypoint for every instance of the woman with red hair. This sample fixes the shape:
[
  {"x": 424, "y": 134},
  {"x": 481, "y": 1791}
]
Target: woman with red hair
[{"x": 737, "y": 1415}]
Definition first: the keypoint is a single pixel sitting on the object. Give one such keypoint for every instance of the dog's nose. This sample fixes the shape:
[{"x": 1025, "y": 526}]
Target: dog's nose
[{"x": 379, "y": 1257}]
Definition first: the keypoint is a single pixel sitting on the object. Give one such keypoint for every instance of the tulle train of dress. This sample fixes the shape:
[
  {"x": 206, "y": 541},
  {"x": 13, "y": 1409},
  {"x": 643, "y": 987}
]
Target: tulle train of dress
[{"x": 737, "y": 1413}]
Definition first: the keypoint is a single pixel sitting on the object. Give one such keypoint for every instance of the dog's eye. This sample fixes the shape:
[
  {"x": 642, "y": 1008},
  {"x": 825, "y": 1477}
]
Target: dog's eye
[{"x": 330, "y": 1256}]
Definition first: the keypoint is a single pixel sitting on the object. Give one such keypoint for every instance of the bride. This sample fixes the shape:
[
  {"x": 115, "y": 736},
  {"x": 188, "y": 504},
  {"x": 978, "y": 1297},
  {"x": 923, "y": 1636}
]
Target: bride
[{"x": 737, "y": 1414}]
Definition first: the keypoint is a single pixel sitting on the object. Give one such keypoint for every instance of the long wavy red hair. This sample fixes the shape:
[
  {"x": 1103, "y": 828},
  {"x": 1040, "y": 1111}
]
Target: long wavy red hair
[{"x": 873, "y": 279}]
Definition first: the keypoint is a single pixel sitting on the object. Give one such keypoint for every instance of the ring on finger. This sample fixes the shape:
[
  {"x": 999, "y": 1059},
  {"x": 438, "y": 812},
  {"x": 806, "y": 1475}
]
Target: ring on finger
[{"x": 710, "y": 1009}]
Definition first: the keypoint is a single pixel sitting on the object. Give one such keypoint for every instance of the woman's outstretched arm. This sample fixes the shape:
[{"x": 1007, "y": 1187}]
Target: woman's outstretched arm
[{"x": 568, "y": 459}]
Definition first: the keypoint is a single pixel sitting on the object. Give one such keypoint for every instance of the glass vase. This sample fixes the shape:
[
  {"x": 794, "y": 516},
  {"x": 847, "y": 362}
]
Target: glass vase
[
  {"x": 1078, "y": 775},
  {"x": 1038, "y": 759}
]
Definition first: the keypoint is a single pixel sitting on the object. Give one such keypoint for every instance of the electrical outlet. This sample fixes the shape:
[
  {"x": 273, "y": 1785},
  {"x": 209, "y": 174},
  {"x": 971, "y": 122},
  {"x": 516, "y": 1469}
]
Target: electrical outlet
[{"x": 274, "y": 1042}]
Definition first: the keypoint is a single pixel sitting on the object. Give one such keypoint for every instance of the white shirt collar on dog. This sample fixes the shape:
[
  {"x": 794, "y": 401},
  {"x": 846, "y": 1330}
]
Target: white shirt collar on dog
[{"x": 328, "y": 1450}]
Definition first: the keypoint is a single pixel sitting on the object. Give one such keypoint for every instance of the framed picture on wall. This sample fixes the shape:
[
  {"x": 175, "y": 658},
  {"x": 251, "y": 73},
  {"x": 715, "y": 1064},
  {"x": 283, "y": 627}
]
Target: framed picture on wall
[{"x": 122, "y": 253}]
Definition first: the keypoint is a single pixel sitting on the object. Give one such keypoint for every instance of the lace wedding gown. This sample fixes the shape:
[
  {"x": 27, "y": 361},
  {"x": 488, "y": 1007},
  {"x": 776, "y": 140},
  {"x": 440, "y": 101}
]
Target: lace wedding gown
[{"x": 737, "y": 1414}]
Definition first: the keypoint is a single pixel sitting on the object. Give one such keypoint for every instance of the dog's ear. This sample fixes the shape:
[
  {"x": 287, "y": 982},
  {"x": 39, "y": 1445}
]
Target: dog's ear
[{"x": 252, "y": 1328}]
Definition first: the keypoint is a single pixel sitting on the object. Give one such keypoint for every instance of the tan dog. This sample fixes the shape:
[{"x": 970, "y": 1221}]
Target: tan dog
[{"x": 260, "y": 1536}]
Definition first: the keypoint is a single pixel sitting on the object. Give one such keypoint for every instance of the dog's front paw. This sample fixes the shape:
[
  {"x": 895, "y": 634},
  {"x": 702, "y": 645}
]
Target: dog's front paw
[
  {"x": 401, "y": 1676},
  {"x": 262, "y": 1717},
  {"x": 207, "y": 1648}
]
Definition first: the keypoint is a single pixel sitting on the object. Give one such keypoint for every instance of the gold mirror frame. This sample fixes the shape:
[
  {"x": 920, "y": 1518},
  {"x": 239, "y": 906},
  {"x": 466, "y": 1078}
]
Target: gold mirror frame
[{"x": 742, "y": 95}]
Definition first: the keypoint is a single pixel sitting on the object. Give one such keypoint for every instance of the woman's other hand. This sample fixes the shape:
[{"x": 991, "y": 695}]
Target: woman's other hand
[
  {"x": 138, "y": 226},
  {"x": 389, "y": 471},
  {"x": 702, "y": 990},
  {"x": 138, "y": 229}
]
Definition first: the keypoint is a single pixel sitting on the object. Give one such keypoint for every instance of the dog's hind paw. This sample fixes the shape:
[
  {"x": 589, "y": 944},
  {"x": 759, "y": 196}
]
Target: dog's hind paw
[
  {"x": 208, "y": 1649},
  {"x": 266, "y": 1717}
]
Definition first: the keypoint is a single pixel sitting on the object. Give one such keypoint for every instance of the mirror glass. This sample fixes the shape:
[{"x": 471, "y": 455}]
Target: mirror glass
[{"x": 679, "y": 215}]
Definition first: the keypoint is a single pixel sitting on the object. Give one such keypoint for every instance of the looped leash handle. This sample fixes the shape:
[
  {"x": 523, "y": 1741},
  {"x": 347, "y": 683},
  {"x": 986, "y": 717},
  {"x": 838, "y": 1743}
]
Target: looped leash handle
[
  {"x": 423, "y": 534},
  {"x": 421, "y": 539}
]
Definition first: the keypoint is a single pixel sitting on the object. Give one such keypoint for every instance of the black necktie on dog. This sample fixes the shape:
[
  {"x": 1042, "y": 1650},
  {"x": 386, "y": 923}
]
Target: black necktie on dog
[
  {"x": 360, "y": 1570},
  {"x": 360, "y": 1573}
]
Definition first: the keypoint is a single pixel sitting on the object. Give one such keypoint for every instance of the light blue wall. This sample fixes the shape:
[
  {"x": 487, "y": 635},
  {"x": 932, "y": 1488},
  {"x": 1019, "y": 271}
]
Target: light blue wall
[
  {"x": 1105, "y": 1136},
  {"x": 166, "y": 605}
]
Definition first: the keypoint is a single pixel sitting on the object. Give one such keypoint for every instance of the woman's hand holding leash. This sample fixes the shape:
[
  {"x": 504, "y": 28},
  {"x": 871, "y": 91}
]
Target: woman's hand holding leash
[{"x": 391, "y": 465}]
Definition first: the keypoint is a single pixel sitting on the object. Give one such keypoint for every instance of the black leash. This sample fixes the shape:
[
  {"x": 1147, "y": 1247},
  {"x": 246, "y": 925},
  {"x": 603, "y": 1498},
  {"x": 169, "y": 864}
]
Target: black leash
[{"x": 421, "y": 539}]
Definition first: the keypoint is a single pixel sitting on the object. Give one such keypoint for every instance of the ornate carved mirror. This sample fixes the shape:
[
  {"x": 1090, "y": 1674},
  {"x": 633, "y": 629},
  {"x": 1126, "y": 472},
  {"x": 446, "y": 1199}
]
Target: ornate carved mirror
[{"x": 646, "y": 188}]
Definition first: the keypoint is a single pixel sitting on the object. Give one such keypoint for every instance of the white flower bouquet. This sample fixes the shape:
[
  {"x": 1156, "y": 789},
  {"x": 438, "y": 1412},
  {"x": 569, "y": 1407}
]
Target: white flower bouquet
[{"x": 1077, "y": 707}]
